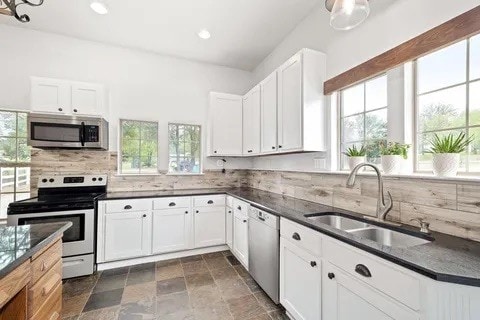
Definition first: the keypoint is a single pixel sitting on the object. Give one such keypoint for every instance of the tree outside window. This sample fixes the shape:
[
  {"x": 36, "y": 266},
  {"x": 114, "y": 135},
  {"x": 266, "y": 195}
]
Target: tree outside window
[
  {"x": 184, "y": 148},
  {"x": 139, "y": 147}
]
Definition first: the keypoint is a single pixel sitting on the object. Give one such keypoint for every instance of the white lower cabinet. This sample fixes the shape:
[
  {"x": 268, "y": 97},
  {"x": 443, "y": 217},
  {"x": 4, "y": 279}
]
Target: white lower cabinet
[
  {"x": 240, "y": 238},
  {"x": 229, "y": 227},
  {"x": 347, "y": 298},
  {"x": 300, "y": 282},
  {"x": 172, "y": 230},
  {"x": 209, "y": 226},
  {"x": 127, "y": 235}
]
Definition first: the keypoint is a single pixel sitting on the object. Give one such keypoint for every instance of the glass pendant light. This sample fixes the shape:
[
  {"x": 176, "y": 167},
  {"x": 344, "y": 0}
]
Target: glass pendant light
[{"x": 347, "y": 14}]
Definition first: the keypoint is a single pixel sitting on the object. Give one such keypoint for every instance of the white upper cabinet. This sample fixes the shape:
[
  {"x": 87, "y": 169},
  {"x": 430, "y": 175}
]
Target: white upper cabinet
[
  {"x": 67, "y": 97},
  {"x": 251, "y": 122},
  {"x": 301, "y": 103},
  {"x": 268, "y": 114},
  {"x": 225, "y": 117}
]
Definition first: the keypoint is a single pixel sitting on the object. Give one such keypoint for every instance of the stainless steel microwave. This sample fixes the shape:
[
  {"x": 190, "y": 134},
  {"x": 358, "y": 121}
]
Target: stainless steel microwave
[{"x": 60, "y": 131}]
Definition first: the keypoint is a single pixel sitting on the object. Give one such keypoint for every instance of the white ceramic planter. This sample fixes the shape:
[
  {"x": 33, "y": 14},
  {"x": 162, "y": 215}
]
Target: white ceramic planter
[
  {"x": 392, "y": 164},
  {"x": 355, "y": 161},
  {"x": 446, "y": 164}
]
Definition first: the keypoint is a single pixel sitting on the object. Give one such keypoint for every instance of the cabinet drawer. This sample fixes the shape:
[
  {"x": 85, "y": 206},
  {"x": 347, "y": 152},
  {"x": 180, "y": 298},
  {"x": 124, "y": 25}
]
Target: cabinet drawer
[
  {"x": 52, "y": 308},
  {"x": 44, "y": 288},
  {"x": 209, "y": 201},
  {"x": 171, "y": 203},
  {"x": 229, "y": 201},
  {"x": 13, "y": 282},
  {"x": 386, "y": 277},
  {"x": 240, "y": 207},
  {"x": 46, "y": 260},
  {"x": 303, "y": 237},
  {"x": 128, "y": 205}
]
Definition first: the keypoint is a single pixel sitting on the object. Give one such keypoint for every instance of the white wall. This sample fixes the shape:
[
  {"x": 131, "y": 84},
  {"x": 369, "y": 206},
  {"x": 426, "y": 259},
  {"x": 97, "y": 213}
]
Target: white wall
[
  {"x": 397, "y": 23},
  {"x": 140, "y": 85}
]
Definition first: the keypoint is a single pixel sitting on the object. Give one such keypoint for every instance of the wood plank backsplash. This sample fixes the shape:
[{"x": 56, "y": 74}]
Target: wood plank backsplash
[{"x": 450, "y": 207}]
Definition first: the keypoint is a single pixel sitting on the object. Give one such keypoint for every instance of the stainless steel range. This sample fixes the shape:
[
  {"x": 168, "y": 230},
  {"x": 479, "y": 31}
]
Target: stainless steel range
[{"x": 65, "y": 198}]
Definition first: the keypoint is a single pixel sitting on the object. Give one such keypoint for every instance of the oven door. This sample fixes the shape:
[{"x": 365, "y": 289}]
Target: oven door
[{"x": 77, "y": 240}]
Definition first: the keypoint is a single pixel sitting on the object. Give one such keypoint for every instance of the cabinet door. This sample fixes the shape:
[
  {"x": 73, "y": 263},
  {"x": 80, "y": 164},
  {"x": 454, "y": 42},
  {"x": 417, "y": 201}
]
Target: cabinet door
[
  {"x": 209, "y": 226},
  {"x": 229, "y": 227},
  {"x": 251, "y": 122},
  {"x": 171, "y": 230},
  {"x": 225, "y": 124},
  {"x": 240, "y": 239},
  {"x": 87, "y": 99},
  {"x": 127, "y": 235},
  {"x": 50, "y": 95},
  {"x": 362, "y": 301},
  {"x": 290, "y": 104},
  {"x": 268, "y": 107},
  {"x": 300, "y": 282}
]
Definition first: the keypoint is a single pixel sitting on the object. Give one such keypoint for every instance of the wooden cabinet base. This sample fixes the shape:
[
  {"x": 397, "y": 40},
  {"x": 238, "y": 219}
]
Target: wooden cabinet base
[
  {"x": 16, "y": 308},
  {"x": 52, "y": 308}
]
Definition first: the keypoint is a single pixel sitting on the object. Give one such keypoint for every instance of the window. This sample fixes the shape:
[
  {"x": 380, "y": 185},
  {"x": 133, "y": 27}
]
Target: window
[
  {"x": 14, "y": 159},
  {"x": 139, "y": 147},
  {"x": 184, "y": 148},
  {"x": 448, "y": 100},
  {"x": 363, "y": 117}
]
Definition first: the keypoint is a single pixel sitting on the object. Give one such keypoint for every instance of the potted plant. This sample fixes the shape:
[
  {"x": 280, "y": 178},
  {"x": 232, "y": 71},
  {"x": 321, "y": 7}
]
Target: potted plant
[
  {"x": 446, "y": 153},
  {"x": 393, "y": 154},
  {"x": 355, "y": 156}
]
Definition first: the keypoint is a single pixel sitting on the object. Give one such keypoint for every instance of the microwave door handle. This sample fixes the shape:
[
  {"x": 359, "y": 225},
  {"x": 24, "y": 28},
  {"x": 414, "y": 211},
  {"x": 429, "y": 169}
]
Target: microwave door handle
[{"x": 82, "y": 134}]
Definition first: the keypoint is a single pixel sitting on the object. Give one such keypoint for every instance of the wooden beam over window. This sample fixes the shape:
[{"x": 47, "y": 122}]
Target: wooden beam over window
[{"x": 454, "y": 30}]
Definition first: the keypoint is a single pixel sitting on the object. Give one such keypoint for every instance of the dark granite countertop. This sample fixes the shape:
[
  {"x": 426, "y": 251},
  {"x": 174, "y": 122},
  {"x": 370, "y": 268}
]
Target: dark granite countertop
[
  {"x": 19, "y": 243},
  {"x": 447, "y": 258}
]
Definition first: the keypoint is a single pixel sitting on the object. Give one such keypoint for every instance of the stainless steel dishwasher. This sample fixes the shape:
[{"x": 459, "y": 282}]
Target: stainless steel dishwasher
[{"x": 264, "y": 251}]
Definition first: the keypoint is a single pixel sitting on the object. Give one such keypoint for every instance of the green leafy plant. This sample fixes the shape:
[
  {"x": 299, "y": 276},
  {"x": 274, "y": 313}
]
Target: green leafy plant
[
  {"x": 394, "y": 149},
  {"x": 355, "y": 152},
  {"x": 450, "y": 143}
]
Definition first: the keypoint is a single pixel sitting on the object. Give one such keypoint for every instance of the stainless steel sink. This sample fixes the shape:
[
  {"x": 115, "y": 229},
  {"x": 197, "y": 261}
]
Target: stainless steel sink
[
  {"x": 389, "y": 237},
  {"x": 338, "y": 222}
]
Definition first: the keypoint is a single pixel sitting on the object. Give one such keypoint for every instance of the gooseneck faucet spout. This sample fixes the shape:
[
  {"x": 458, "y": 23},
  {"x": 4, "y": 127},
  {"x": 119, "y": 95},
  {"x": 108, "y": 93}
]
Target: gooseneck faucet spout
[{"x": 383, "y": 207}]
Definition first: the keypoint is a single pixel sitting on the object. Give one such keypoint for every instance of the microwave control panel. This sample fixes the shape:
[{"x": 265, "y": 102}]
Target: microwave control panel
[{"x": 91, "y": 133}]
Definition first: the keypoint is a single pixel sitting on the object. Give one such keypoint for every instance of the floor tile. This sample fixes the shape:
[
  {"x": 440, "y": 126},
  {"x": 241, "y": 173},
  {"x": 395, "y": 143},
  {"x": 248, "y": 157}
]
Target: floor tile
[
  {"x": 101, "y": 314},
  {"x": 233, "y": 288},
  {"x": 115, "y": 272},
  {"x": 74, "y": 306},
  {"x": 232, "y": 260},
  {"x": 166, "y": 263},
  {"x": 266, "y": 302},
  {"x": 213, "y": 255},
  {"x": 252, "y": 285},
  {"x": 143, "y": 266},
  {"x": 139, "y": 291},
  {"x": 173, "y": 303},
  {"x": 245, "y": 307},
  {"x": 108, "y": 283},
  {"x": 142, "y": 276},
  {"x": 180, "y": 315},
  {"x": 168, "y": 272},
  {"x": 70, "y": 318},
  {"x": 78, "y": 286},
  {"x": 217, "y": 263},
  {"x": 143, "y": 309},
  {"x": 198, "y": 280},
  {"x": 191, "y": 258},
  {"x": 242, "y": 271},
  {"x": 171, "y": 286},
  {"x": 103, "y": 300},
  {"x": 278, "y": 315},
  {"x": 195, "y": 267},
  {"x": 263, "y": 316},
  {"x": 217, "y": 311},
  {"x": 205, "y": 296},
  {"x": 227, "y": 253},
  {"x": 224, "y": 273}
]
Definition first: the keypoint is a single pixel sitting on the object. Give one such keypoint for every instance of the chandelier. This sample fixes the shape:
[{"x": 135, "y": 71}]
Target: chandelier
[{"x": 9, "y": 8}]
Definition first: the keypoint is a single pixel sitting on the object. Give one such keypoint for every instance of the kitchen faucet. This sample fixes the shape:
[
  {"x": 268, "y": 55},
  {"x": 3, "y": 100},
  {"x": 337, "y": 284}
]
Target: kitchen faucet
[{"x": 383, "y": 207}]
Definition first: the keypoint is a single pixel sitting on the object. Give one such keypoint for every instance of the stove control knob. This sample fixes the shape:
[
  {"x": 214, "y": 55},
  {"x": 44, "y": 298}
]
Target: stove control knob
[
  {"x": 44, "y": 180},
  {"x": 51, "y": 180},
  {"x": 94, "y": 179}
]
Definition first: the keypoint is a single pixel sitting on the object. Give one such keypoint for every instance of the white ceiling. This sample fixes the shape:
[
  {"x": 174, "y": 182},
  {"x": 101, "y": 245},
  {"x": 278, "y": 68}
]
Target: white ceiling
[{"x": 243, "y": 32}]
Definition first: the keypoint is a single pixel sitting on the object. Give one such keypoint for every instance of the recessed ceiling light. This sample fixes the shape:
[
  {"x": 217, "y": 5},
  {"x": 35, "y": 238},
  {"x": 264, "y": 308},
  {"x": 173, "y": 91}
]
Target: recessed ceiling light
[
  {"x": 204, "y": 34},
  {"x": 99, "y": 6}
]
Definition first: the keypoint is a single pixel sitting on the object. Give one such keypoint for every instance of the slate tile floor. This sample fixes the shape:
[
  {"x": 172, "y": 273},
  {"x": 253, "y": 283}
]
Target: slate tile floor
[{"x": 212, "y": 286}]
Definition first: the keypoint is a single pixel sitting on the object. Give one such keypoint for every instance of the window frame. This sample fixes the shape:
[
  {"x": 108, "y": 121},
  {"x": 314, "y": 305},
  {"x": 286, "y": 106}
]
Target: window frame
[
  {"x": 120, "y": 153},
  {"x": 416, "y": 108},
  {"x": 340, "y": 117},
  {"x": 16, "y": 165},
  {"x": 200, "y": 144}
]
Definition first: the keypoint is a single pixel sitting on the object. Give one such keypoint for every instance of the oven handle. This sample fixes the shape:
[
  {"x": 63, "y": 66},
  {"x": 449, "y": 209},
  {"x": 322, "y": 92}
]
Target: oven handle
[
  {"x": 73, "y": 262},
  {"x": 82, "y": 134}
]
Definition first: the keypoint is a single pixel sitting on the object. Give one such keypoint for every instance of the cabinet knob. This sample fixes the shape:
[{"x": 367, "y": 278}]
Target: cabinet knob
[
  {"x": 144, "y": 215},
  {"x": 313, "y": 264},
  {"x": 172, "y": 204},
  {"x": 197, "y": 211},
  {"x": 249, "y": 151},
  {"x": 60, "y": 109},
  {"x": 273, "y": 147},
  {"x": 215, "y": 151},
  {"x": 229, "y": 211},
  {"x": 331, "y": 275},
  {"x": 127, "y": 207},
  {"x": 296, "y": 236},
  {"x": 239, "y": 208},
  {"x": 244, "y": 221},
  {"x": 279, "y": 147},
  {"x": 186, "y": 212},
  {"x": 75, "y": 110}
]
